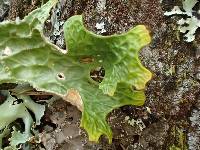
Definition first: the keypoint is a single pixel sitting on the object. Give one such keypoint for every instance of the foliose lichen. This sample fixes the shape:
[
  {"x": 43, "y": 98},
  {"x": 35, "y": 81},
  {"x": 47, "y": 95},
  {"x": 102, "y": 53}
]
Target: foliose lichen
[{"x": 189, "y": 25}]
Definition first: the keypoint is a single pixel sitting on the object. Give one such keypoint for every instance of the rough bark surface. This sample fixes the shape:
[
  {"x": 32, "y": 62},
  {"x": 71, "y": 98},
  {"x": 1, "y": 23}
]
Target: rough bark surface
[{"x": 170, "y": 116}]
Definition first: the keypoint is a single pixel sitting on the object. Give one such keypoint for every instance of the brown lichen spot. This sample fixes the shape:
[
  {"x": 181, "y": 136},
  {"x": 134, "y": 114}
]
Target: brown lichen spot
[
  {"x": 86, "y": 60},
  {"x": 74, "y": 98}
]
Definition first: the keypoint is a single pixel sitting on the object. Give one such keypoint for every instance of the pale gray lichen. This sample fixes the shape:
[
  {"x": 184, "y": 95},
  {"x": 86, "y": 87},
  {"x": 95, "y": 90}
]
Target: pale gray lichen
[
  {"x": 12, "y": 110},
  {"x": 137, "y": 122},
  {"x": 100, "y": 27},
  {"x": 56, "y": 34},
  {"x": 193, "y": 135},
  {"x": 189, "y": 25},
  {"x": 101, "y": 5},
  {"x": 4, "y": 6}
]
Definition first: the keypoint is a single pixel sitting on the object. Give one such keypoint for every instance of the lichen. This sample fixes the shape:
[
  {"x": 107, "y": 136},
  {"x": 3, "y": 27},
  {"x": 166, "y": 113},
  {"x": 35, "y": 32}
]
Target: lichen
[
  {"x": 189, "y": 25},
  {"x": 18, "y": 110}
]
